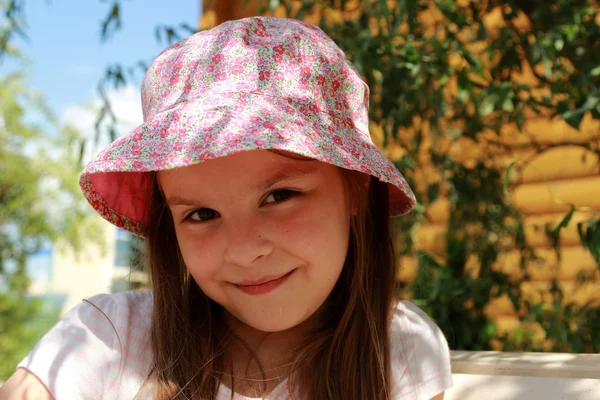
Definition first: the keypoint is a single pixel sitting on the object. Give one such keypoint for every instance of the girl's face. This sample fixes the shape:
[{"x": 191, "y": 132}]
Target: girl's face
[{"x": 263, "y": 235}]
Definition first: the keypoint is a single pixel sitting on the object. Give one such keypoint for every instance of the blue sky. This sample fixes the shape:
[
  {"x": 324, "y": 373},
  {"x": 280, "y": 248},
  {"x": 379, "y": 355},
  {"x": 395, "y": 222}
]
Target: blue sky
[{"x": 67, "y": 57}]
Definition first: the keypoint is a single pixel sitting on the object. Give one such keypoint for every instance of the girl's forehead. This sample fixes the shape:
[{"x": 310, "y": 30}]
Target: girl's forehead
[{"x": 243, "y": 167}]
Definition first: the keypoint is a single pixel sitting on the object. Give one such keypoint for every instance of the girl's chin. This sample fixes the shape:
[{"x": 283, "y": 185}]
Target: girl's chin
[
  {"x": 270, "y": 326},
  {"x": 272, "y": 322}
]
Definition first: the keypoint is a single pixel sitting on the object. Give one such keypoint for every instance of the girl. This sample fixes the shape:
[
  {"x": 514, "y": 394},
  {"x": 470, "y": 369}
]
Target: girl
[{"x": 265, "y": 209}]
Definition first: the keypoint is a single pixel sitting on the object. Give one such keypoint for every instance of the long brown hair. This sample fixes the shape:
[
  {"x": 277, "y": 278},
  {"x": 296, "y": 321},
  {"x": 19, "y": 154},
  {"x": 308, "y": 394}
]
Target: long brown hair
[{"x": 348, "y": 355}]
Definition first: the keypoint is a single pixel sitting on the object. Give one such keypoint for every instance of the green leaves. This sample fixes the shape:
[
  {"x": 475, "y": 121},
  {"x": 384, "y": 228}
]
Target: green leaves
[
  {"x": 574, "y": 117},
  {"x": 40, "y": 202},
  {"x": 553, "y": 233},
  {"x": 112, "y": 22},
  {"x": 589, "y": 233},
  {"x": 487, "y": 105},
  {"x": 507, "y": 177},
  {"x": 25, "y": 194},
  {"x": 23, "y": 322},
  {"x": 13, "y": 23},
  {"x": 564, "y": 222},
  {"x": 168, "y": 35}
]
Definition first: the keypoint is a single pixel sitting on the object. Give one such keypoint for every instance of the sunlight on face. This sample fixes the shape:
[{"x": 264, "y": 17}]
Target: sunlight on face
[{"x": 263, "y": 235}]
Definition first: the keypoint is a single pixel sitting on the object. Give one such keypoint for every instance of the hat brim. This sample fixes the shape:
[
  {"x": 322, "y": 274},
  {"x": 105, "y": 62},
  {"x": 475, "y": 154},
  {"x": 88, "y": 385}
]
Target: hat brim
[{"x": 117, "y": 182}]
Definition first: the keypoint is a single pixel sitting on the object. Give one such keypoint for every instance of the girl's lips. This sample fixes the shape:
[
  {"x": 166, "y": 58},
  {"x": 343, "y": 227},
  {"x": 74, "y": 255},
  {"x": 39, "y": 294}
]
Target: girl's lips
[{"x": 263, "y": 285}]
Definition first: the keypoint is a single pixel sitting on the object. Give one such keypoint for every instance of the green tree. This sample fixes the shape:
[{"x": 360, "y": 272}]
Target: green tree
[{"x": 39, "y": 204}]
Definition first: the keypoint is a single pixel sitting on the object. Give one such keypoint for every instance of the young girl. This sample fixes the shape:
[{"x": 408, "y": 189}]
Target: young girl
[{"x": 265, "y": 210}]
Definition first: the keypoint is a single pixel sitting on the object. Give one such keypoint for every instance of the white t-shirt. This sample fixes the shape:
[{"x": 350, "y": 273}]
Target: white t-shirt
[{"x": 81, "y": 357}]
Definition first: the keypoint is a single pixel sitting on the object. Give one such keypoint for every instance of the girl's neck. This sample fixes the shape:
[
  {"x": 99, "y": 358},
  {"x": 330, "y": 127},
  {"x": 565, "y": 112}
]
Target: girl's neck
[{"x": 259, "y": 360}]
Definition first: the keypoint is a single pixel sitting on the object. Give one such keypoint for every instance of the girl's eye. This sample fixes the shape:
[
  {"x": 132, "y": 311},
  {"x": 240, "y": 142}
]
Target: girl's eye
[
  {"x": 280, "y": 195},
  {"x": 204, "y": 214}
]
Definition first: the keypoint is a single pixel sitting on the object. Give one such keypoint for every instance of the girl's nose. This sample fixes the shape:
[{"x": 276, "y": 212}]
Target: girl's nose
[{"x": 246, "y": 245}]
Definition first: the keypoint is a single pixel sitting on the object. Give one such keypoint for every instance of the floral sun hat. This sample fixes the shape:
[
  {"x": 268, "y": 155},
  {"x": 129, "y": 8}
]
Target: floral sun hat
[{"x": 255, "y": 83}]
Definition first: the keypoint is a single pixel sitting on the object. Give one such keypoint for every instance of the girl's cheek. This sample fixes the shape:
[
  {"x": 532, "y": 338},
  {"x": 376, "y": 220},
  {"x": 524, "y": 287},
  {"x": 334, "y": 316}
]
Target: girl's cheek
[
  {"x": 199, "y": 253},
  {"x": 301, "y": 227},
  {"x": 290, "y": 220}
]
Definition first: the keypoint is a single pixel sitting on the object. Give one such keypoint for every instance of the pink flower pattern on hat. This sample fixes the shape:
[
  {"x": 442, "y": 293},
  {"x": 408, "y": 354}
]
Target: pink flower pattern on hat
[{"x": 255, "y": 83}]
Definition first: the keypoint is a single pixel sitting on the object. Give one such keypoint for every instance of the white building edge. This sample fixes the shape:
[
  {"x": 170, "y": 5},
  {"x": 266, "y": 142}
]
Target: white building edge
[{"x": 96, "y": 268}]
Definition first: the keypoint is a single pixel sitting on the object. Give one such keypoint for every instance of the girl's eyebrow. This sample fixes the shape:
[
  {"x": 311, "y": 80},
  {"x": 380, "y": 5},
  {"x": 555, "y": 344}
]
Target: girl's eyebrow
[
  {"x": 287, "y": 173},
  {"x": 180, "y": 201}
]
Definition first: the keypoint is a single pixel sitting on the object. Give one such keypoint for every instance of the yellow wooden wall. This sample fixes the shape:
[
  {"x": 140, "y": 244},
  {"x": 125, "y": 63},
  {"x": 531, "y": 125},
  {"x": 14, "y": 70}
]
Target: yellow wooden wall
[
  {"x": 544, "y": 186},
  {"x": 544, "y": 189}
]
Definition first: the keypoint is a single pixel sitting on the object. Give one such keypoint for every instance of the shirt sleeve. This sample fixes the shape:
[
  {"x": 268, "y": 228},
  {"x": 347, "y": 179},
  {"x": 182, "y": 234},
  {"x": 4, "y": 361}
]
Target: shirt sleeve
[
  {"x": 420, "y": 355},
  {"x": 76, "y": 357}
]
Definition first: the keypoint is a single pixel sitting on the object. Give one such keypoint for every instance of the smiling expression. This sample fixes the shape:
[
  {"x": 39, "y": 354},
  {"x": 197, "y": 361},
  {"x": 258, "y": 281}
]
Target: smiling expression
[{"x": 264, "y": 235}]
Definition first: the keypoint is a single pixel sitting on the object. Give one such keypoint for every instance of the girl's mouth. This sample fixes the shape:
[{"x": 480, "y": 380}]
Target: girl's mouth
[{"x": 263, "y": 285}]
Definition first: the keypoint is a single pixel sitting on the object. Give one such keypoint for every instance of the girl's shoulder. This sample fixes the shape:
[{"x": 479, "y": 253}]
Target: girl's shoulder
[
  {"x": 127, "y": 315},
  {"x": 137, "y": 303},
  {"x": 408, "y": 318},
  {"x": 101, "y": 346},
  {"x": 420, "y": 355}
]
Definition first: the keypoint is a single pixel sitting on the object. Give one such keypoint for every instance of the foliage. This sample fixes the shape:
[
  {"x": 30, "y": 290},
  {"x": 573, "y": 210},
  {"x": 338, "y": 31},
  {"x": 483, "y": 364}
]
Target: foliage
[
  {"x": 590, "y": 237},
  {"x": 23, "y": 321},
  {"x": 11, "y": 25},
  {"x": 39, "y": 203}
]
